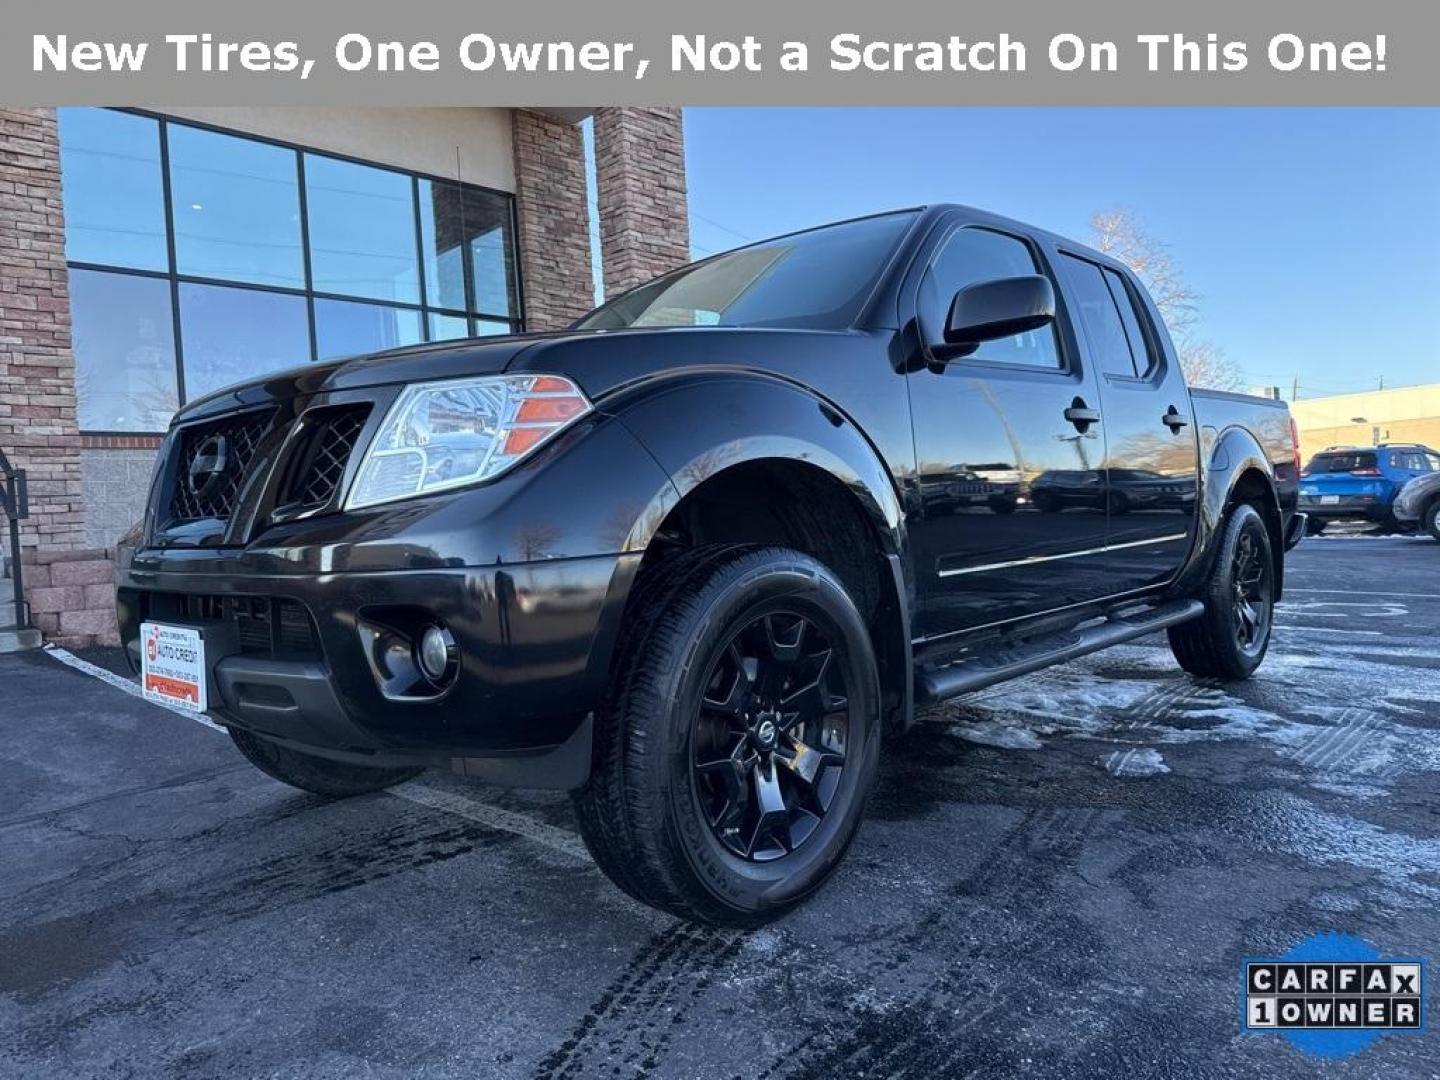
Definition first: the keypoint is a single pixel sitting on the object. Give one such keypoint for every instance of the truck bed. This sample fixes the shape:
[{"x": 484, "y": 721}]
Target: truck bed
[{"x": 1265, "y": 418}]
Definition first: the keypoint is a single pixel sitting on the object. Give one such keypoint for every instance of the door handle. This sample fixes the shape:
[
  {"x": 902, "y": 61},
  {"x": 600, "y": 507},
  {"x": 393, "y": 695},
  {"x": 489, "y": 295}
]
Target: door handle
[
  {"x": 1173, "y": 420},
  {"x": 1081, "y": 415}
]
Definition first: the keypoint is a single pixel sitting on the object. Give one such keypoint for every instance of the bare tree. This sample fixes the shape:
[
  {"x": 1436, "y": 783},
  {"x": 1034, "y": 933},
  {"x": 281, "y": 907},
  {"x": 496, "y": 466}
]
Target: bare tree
[{"x": 1119, "y": 234}]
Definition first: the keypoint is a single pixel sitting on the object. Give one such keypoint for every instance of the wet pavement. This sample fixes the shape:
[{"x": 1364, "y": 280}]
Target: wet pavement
[{"x": 1058, "y": 877}]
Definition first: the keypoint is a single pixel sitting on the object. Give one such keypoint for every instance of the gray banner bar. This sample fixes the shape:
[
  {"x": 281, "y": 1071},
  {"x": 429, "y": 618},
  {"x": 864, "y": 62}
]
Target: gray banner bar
[{"x": 875, "y": 52}]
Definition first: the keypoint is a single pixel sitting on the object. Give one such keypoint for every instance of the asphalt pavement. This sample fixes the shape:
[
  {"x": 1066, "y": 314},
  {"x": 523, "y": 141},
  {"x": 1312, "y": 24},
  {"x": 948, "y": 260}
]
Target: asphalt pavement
[{"x": 1057, "y": 877}]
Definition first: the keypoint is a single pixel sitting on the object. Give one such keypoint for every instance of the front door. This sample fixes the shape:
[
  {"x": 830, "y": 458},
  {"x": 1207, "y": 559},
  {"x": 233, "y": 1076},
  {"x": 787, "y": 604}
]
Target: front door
[
  {"x": 1011, "y": 471},
  {"x": 1151, "y": 460}
]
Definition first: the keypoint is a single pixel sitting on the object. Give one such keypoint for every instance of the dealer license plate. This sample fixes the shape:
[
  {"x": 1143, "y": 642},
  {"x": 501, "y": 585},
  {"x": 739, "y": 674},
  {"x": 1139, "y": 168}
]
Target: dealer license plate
[
  {"x": 172, "y": 665},
  {"x": 1329, "y": 500}
]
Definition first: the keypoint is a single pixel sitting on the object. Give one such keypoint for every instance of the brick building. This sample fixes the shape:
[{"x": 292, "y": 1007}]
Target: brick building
[{"x": 147, "y": 258}]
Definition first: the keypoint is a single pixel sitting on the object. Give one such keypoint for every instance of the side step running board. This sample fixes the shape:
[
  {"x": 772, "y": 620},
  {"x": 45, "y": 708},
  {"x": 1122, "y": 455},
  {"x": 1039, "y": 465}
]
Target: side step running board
[{"x": 1003, "y": 663}]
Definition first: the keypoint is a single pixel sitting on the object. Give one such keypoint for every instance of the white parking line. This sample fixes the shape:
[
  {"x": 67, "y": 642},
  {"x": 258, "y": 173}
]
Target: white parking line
[
  {"x": 120, "y": 682},
  {"x": 1365, "y": 592},
  {"x": 561, "y": 840}
]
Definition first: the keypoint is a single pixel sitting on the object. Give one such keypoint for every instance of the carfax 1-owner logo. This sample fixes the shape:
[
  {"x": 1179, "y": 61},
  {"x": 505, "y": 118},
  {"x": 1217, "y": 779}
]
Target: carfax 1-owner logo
[{"x": 1333, "y": 995}]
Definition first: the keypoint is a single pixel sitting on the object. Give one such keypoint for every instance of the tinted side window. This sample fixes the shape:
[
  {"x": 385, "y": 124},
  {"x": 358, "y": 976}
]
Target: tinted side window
[
  {"x": 1104, "y": 328},
  {"x": 1125, "y": 302},
  {"x": 972, "y": 256}
]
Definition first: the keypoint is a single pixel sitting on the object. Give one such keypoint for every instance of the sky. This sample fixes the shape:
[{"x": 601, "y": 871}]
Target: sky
[{"x": 1311, "y": 235}]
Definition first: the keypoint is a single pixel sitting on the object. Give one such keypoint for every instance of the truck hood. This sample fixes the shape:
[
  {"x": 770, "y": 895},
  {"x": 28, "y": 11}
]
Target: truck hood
[
  {"x": 598, "y": 361},
  {"x": 416, "y": 363}
]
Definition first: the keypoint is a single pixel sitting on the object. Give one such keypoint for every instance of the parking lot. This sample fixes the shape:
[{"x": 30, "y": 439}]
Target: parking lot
[{"x": 1058, "y": 876}]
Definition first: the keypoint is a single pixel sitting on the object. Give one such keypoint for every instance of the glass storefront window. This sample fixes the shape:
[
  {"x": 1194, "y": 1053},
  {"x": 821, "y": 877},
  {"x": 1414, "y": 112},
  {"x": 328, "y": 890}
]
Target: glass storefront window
[
  {"x": 442, "y": 238},
  {"x": 124, "y": 340},
  {"x": 492, "y": 252},
  {"x": 463, "y": 224},
  {"x": 236, "y": 204},
  {"x": 324, "y": 254},
  {"x": 113, "y": 190},
  {"x": 343, "y": 328},
  {"x": 362, "y": 230},
  {"x": 231, "y": 335},
  {"x": 447, "y": 327}
]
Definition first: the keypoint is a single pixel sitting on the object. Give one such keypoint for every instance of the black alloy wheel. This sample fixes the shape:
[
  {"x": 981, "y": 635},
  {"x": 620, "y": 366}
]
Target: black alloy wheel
[
  {"x": 1251, "y": 575},
  {"x": 770, "y": 736},
  {"x": 739, "y": 737},
  {"x": 1231, "y": 636}
]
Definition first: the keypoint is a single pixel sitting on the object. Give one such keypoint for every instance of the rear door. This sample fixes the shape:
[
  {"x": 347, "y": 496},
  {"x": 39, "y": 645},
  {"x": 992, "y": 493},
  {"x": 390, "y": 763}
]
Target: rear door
[
  {"x": 1151, "y": 449},
  {"x": 1012, "y": 491}
]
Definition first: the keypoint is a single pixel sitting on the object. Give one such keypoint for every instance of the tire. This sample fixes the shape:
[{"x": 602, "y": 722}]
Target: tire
[
  {"x": 1314, "y": 526},
  {"x": 320, "y": 776},
  {"x": 719, "y": 642},
  {"x": 1430, "y": 518},
  {"x": 1224, "y": 643}
]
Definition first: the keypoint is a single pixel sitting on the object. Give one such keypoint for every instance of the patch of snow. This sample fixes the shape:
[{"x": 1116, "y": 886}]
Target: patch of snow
[
  {"x": 1138, "y": 762},
  {"x": 1001, "y": 733}
]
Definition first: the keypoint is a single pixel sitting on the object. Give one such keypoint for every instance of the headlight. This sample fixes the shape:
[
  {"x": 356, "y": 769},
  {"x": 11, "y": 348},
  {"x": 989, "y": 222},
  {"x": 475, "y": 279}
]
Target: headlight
[{"x": 443, "y": 435}]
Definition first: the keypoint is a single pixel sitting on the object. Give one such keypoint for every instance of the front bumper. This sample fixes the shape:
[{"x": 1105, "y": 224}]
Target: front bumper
[{"x": 533, "y": 642}]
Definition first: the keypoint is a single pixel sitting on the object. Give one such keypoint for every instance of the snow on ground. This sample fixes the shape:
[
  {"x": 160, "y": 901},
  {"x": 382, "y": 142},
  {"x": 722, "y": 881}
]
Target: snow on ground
[
  {"x": 1146, "y": 762},
  {"x": 1136, "y": 695}
]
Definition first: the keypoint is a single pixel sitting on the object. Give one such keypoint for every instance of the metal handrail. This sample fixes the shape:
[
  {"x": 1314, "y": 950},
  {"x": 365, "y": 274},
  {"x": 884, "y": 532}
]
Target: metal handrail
[{"x": 15, "y": 502}]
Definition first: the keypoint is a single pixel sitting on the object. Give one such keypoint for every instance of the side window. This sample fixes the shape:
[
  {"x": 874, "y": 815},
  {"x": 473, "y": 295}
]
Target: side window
[
  {"x": 1105, "y": 329},
  {"x": 1125, "y": 302},
  {"x": 972, "y": 256}
]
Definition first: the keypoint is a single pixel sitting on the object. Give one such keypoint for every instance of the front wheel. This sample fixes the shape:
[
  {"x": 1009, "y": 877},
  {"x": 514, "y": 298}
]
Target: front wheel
[
  {"x": 739, "y": 739},
  {"x": 1230, "y": 639}
]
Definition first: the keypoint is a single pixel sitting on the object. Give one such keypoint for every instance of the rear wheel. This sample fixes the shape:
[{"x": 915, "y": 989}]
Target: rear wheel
[
  {"x": 739, "y": 738},
  {"x": 1230, "y": 639},
  {"x": 1314, "y": 526},
  {"x": 321, "y": 776}
]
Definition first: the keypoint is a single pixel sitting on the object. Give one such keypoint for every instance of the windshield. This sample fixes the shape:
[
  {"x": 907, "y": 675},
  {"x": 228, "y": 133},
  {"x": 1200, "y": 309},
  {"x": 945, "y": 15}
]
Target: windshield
[{"x": 816, "y": 279}]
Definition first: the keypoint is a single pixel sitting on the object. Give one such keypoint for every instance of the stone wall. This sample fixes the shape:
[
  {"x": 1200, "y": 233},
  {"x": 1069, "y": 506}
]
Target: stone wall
[
  {"x": 72, "y": 596},
  {"x": 554, "y": 221},
  {"x": 37, "y": 368},
  {"x": 114, "y": 482},
  {"x": 640, "y": 186}
]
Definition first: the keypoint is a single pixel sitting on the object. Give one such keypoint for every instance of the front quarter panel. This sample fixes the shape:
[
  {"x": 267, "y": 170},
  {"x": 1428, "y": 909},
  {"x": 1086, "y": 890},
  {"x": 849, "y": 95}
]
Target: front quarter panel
[{"x": 701, "y": 424}]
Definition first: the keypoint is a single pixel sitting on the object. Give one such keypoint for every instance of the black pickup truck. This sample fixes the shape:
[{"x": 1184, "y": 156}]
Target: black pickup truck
[{"x": 693, "y": 557}]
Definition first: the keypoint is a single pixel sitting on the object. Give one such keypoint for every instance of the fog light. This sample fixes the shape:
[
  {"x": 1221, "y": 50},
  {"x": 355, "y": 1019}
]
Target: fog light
[{"x": 434, "y": 651}]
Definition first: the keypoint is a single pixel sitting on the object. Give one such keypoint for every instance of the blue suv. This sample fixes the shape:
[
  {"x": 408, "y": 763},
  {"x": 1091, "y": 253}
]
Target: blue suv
[{"x": 1349, "y": 483}]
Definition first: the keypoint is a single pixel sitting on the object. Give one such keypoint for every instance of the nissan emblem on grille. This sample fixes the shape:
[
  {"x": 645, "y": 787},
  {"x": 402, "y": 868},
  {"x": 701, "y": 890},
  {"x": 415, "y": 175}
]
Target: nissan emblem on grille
[{"x": 207, "y": 467}]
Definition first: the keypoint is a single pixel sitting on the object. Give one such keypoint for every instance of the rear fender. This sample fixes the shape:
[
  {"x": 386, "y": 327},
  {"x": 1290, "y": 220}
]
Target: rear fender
[{"x": 1233, "y": 461}]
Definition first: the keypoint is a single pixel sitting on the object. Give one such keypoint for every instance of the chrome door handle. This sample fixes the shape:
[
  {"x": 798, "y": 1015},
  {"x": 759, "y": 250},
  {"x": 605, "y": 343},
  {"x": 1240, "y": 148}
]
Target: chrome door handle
[
  {"x": 1081, "y": 415},
  {"x": 1173, "y": 420}
]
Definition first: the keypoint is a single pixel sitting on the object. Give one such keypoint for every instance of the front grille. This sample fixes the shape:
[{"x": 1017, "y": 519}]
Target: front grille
[
  {"x": 320, "y": 464},
  {"x": 239, "y": 436},
  {"x": 268, "y": 627}
]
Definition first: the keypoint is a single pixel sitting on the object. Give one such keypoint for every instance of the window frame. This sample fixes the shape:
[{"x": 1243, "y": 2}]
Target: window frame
[
  {"x": 472, "y": 315},
  {"x": 1154, "y": 344},
  {"x": 1069, "y": 366}
]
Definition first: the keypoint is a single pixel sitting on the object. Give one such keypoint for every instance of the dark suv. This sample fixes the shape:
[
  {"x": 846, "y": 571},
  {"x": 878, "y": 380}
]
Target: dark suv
[{"x": 692, "y": 557}]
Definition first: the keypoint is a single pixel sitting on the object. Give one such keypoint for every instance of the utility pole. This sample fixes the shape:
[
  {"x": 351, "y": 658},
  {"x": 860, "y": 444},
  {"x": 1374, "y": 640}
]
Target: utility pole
[
  {"x": 1382, "y": 382},
  {"x": 1294, "y": 387}
]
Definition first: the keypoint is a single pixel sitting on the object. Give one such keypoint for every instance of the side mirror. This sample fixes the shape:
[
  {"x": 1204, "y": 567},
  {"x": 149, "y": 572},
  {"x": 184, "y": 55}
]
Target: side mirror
[{"x": 998, "y": 309}]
